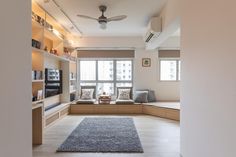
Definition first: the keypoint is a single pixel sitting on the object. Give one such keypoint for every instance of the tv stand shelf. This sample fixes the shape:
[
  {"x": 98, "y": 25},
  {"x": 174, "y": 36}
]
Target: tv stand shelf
[{"x": 56, "y": 113}]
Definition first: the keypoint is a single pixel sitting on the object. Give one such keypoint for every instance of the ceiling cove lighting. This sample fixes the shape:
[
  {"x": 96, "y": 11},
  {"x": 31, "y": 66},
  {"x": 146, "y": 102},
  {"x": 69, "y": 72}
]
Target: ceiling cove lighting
[{"x": 63, "y": 12}]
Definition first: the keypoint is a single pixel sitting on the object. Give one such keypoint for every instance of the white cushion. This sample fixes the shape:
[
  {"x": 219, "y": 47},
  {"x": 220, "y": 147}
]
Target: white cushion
[
  {"x": 124, "y": 94},
  {"x": 87, "y": 94}
]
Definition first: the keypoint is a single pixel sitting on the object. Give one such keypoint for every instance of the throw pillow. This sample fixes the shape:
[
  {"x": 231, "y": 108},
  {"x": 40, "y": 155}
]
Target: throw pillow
[
  {"x": 141, "y": 96},
  {"x": 151, "y": 96},
  {"x": 124, "y": 94},
  {"x": 87, "y": 94}
]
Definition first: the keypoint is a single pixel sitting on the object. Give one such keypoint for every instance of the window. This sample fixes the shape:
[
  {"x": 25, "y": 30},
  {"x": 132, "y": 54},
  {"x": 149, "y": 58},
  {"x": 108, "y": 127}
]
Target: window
[
  {"x": 105, "y": 70},
  {"x": 170, "y": 70},
  {"x": 106, "y": 74},
  {"x": 124, "y": 72},
  {"x": 87, "y": 70}
]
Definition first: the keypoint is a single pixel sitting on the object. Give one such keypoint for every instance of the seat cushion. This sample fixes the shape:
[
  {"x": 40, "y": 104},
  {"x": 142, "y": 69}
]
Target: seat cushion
[
  {"x": 81, "y": 101},
  {"x": 124, "y": 101}
]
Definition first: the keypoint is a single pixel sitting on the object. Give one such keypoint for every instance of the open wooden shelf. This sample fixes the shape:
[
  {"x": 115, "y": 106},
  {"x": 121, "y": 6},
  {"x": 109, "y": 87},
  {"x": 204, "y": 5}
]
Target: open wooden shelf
[
  {"x": 37, "y": 105},
  {"x": 35, "y": 24},
  {"x": 37, "y": 81},
  {"x": 37, "y": 102},
  {"x": 37, "y": 50},
  {"x": 47, "y": 54}
]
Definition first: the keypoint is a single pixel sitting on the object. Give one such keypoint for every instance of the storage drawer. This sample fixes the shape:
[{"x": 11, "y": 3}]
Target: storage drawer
[
  {"x": 50, "y": 119},
  {"x": 65, "y": 111}
]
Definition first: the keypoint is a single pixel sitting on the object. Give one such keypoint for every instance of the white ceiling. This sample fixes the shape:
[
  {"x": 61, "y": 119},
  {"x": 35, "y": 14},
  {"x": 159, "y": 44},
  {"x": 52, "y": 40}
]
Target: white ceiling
[{"x": 138, "y": 11}]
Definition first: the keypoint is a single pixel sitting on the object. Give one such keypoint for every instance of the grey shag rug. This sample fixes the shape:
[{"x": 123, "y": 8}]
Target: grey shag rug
[{"x": 103, "y": 135}]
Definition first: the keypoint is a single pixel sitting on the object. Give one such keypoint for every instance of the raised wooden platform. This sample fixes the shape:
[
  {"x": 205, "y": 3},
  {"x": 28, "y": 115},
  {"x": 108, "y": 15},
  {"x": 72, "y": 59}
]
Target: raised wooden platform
[
  {"x": 105, "y": 109},
  {"x": 56, "y": 113},
  {"x": 169, "y": 110}
]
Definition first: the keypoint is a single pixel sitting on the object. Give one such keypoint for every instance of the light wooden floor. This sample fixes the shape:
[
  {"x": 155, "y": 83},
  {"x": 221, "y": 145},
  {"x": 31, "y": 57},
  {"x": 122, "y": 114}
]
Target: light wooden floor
[{"x": 159, "y": 138}]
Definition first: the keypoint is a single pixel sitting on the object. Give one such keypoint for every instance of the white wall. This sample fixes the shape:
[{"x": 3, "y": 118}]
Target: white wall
[
  {"x": 208, "y": 89},
  {"x": 149, "y": 78},
  {"x": 143, "y": 77},
  {"x": 15, "y": 84}
]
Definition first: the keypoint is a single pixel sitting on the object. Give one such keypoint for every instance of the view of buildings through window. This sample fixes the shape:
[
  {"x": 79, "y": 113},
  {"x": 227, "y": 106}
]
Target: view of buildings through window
[
  {"x": 106, "y": 74},
  {"x": 170, "y": 70}
]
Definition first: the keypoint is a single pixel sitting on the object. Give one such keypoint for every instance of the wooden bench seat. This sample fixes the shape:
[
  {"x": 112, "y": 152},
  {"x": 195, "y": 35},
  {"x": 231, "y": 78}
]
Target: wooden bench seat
[
  {"x": 170, "y": 105},
  {"x": 169, "y": 110},
  {"x": 106, "y": 109}
]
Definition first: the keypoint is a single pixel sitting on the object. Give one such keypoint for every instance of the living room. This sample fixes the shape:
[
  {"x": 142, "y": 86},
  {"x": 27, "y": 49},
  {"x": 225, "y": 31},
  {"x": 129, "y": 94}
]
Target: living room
[
  {"x": 56, "y": 74},
  {"x": 65, "y": 69}
]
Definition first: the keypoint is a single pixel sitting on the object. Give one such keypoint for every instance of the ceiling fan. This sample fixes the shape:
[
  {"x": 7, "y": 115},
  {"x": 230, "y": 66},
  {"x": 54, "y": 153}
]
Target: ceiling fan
[{"x": 103, "y": 20}]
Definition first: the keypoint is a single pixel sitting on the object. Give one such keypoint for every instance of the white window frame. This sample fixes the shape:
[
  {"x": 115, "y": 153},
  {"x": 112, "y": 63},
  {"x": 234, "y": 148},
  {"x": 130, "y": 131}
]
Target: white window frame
[
  {"x": 177, "y": 69},
  {"x": 115, "y": 81}
]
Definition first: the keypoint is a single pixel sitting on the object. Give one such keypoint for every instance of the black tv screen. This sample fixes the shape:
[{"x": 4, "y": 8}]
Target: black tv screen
[{"x": 53, "y": 82}]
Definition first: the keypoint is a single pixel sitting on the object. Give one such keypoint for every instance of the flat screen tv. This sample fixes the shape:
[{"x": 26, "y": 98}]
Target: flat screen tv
[{"x": 53, "y": 82}]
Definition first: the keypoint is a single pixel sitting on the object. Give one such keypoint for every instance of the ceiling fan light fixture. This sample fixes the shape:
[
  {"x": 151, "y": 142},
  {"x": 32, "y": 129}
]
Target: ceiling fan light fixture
[
  {"x": 103, "y": 20},
  {"x": 103, "y": 25}
]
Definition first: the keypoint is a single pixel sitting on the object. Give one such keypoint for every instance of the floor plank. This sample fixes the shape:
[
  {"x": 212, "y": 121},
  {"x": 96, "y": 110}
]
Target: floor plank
[{"x": 159, "y": 137}]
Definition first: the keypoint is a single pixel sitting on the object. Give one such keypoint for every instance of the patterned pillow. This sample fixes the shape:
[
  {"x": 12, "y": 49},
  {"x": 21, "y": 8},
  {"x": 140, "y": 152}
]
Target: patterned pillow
[
  {"x": 124, "y": 94},
  {"x": 87, "y": 94}
]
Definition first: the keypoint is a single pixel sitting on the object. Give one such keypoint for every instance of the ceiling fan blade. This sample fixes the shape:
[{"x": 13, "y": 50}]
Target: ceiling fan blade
[
  {"x": 87, "y": 17},
  {"x": 116, "y": 18}
]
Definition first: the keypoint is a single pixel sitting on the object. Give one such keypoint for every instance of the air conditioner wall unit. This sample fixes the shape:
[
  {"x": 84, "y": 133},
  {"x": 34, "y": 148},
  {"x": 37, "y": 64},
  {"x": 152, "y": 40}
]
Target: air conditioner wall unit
[{"x": 154, "y": 29}]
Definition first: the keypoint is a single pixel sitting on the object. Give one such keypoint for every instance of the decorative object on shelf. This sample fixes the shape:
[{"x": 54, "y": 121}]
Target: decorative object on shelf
[
  {"x": 37, "y": 75},
  {"x": 72, "y": 76},
  {"x": 41, "y": 21},
  {"x": 146, "y": 62},
  {"x": 36, "y": 44},
  {"x": 68, "y": 53},
  {"x": 40, "y": 95},
  {"x": 54, "y": 51},
  {"x": 45, "y": 48},
  {"x": 38, "y": 19},
  {"x": 104, "y": 99},
  {"x": 33, "y": 75},
  {"x": 34, "y": 98},
  {"x": 66, "y": 50},
  {"x": 33, "y": 16}
]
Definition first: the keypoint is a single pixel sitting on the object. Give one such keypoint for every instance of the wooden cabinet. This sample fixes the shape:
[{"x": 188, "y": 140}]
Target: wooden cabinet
[{"x": 37, "y": 123}]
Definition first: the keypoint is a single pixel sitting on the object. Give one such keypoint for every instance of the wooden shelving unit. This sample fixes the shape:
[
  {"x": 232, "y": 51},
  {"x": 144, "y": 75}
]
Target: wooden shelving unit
[
  {"x": 35, "y": 81},
  {"x": 50, "y": 39}
]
